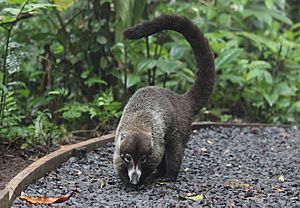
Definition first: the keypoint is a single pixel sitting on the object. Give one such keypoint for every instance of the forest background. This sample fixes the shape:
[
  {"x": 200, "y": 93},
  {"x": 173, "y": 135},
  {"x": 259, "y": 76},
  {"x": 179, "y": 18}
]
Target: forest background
[{"x": 66, "y": 69}]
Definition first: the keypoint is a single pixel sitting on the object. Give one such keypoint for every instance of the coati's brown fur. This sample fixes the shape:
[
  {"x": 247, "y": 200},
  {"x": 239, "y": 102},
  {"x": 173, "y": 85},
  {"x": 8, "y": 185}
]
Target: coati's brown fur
[{"x": 156, "y": 122}]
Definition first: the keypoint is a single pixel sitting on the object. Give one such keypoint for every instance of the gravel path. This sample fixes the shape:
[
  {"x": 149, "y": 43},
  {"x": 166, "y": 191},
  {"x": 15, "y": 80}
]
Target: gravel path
[{"x": 230, "y": 167}]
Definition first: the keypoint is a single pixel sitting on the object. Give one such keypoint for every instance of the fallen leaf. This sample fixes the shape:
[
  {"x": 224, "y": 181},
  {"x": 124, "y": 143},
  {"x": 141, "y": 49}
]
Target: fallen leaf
[
  {"x": 196, "y": 198},
  {"x": 46, "y": 200},
  {"x": 237, "y": 185},
  {"x": 163, "y": 182},
  {"x": 210, "y": 141},
  {"x": 104, "y": 182},
  {"x": 189, "y": 196},
  {"x": 281, "y": 178}
]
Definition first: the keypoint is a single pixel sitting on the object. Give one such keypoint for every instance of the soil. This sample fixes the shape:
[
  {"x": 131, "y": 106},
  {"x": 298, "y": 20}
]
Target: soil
[
  {"x": 13, "y": 160},
  {"x": 222, "y": 167}
]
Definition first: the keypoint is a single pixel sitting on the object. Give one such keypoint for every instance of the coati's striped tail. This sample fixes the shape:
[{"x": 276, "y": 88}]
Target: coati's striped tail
[{"x": 200, "y": 91}]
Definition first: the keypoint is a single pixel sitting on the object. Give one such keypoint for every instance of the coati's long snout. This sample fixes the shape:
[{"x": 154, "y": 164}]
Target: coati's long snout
[
  {"x": 134, "y": 173},
  {"x": 156, "y": 122}
]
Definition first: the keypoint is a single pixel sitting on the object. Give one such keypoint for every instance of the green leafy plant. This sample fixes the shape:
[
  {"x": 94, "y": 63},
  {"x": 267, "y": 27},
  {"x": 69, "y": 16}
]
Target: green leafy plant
[
  {"x": 256, "y": 46},
  {"x": 11, "y": 127},
  {"x": 77, "y": 71},
  {"x": 103, "y": 108},
  {"x": 43, "y": 131}
]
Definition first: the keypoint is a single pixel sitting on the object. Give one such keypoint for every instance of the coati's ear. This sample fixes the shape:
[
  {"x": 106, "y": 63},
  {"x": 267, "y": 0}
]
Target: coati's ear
[{"x": 123, "y": 135}]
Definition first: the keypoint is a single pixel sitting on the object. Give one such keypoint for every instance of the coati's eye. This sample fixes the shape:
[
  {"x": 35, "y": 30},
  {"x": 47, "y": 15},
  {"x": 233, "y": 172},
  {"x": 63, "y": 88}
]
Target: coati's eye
[
  {"x": 143, "y": 159},
  {"x": 127, "y": 158}
]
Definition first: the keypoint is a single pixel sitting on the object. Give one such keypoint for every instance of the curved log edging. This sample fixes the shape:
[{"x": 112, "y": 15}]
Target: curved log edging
[
  {"x": 51, "y": 161},
  {"x": 4, "y": 198},
  {"x": 47, "y": 163},
  {"x": 198, "y": 125}
]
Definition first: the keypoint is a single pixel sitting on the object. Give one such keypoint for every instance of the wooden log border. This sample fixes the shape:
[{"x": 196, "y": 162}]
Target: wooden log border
[
  {"x": 47, "y": 163},
  {"x": 200, "y": 125},
  {"x": 51, "y": 161}
]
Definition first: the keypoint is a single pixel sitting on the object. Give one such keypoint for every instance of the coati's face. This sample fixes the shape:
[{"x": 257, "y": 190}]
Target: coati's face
[{"x": 135, "y": 151}]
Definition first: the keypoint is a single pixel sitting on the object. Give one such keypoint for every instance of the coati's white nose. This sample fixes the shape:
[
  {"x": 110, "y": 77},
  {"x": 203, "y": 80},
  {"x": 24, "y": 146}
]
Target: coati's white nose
[
  {"x": 134, "y": 174},
  {"x": 134, "y": 179}
]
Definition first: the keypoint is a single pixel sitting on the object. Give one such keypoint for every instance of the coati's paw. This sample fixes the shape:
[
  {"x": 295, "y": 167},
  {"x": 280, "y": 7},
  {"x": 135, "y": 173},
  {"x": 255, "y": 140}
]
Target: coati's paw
[
  {"x": 171, "y": 175},
  {"x": 157, "y": 175},
  {"x": 170, "y": 179}
]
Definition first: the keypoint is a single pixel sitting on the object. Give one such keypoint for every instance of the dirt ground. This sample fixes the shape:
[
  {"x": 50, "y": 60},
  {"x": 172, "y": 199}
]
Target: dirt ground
[{"x": 13, "y": 161}]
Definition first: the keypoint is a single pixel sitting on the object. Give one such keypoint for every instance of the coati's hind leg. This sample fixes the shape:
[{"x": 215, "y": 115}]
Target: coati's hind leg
[{"x": 173, "y": 156}]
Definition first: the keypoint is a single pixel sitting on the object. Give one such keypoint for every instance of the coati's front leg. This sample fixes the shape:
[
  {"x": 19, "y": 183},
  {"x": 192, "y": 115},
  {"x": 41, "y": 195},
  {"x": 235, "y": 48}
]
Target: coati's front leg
[
  {"x": 173, "y": 158},
  {"x": 123, "y": 175},
  {"x": 161, "y": 169},
  {"x": 146, "y": 173}
]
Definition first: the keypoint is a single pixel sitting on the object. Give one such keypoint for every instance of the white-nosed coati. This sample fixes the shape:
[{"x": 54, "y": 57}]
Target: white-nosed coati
[{"x": 156, "y": 122}]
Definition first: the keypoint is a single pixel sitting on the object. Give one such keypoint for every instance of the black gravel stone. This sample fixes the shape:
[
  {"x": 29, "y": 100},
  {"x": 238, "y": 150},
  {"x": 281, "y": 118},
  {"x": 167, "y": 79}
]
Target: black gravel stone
[{"x": 230, "y": 167}]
